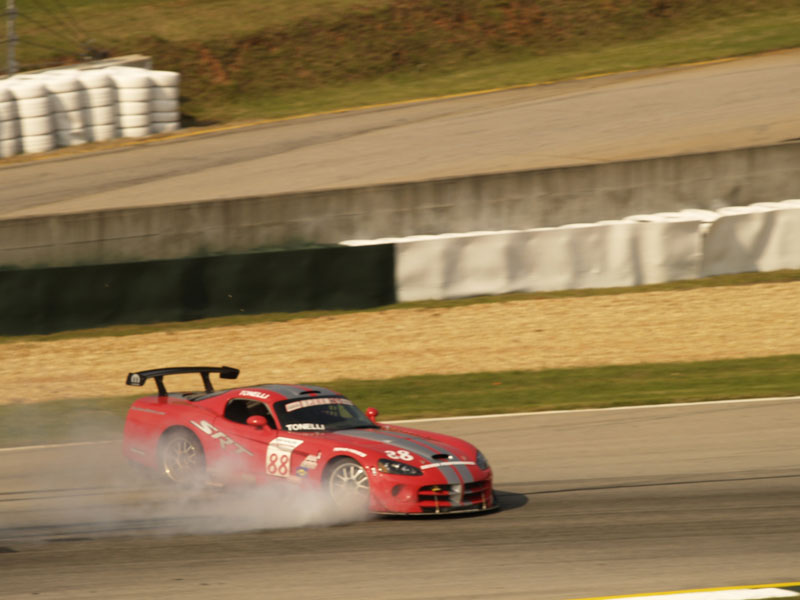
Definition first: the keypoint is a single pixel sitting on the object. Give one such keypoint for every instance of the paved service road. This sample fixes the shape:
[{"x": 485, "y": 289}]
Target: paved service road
[
  {"x": 595, "y": 503},
  {"x": 739, "y": 103}
]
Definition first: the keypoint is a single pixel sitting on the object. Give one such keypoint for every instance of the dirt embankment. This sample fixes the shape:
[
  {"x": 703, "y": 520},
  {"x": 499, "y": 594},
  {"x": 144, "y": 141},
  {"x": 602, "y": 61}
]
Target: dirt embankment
[{"x": 703, "y": 324}]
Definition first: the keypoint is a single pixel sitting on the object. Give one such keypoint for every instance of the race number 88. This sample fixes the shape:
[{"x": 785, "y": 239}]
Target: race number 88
[{"x": 278, "y": 464}]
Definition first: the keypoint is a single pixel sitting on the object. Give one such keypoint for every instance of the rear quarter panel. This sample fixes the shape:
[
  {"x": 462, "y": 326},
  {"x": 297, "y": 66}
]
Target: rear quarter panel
[{"x": 148, "y": 419}]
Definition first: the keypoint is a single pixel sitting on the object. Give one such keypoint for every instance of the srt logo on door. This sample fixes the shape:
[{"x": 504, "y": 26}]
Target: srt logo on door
[{"x": 224, "y": 440}]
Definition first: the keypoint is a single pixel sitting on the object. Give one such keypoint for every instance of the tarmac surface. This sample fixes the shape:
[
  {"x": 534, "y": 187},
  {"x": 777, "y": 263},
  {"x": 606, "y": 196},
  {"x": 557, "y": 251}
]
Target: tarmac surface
[
  {"x": 697, "y": 108},
  {"x": 597, "y": 503}
]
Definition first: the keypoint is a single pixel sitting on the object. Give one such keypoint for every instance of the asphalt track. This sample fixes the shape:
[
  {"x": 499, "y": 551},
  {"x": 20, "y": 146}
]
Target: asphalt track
[
  {"x": 698, "y": 108},
  {"x": 595, "y": 503}
]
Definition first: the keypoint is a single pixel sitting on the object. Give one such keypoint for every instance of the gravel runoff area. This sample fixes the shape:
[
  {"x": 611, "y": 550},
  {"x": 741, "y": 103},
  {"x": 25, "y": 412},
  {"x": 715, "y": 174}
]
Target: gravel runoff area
[{"x": 701, "y": 324}]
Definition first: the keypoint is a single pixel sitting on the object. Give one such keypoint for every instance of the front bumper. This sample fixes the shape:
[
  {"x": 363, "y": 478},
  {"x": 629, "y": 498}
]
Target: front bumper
[{"x": 404, "y": 497}]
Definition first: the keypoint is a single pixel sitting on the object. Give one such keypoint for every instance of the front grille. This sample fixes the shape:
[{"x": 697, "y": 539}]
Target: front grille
[{"x": 453, "y": 497}]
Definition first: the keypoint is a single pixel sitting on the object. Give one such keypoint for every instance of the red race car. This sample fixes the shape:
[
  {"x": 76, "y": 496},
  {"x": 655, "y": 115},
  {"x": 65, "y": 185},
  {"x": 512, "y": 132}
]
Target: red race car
[{"x": 307, "y": 435}]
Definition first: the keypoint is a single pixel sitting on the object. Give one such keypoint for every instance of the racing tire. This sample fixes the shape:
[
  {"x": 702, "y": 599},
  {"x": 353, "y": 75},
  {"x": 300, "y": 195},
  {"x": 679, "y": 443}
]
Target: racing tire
[
  {"x": 100, "y": 96},
  {"x": 181, "y": 458},
  {"x": 133, "y": 94},
  {"x": 94, "y": 78},
  {"x": 99, "y": 115},
  {"x": 158, "y": 106},
  {"x": 9, "y": 129},
  {"x": 347, "y": 484},
  {"x": 33, "y": 144},
  {"x": 67, "y": 101},
  {"x": 34, "y": 126},
  {"x": 164, "y": 78},
  {"x": 8, "y": 109},
  {"x": 10, "y": 147},
  {"x": 134, "y": 132},
  {"x": 61, "y": 81},
  {"x": 166, "y": 93},
  {"x": 164, "y": 127},
  {"x": 103, "y": 133},
  {"x": 31, "y": 108}
]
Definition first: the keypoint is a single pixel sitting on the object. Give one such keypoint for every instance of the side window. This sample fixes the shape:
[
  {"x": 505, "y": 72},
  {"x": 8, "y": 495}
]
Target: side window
[{"x": 239, "y": 409}]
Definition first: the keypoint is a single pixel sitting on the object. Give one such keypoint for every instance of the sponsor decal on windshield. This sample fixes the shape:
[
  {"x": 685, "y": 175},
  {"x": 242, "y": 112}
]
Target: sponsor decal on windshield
[
  {"x": 305, "y": 427},
  {"x": 298, "y": 404},
  {"x": 254, "y": 394}
]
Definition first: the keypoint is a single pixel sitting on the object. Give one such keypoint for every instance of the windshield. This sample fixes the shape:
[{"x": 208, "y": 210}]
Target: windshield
[{"x": 320, "y": 414}]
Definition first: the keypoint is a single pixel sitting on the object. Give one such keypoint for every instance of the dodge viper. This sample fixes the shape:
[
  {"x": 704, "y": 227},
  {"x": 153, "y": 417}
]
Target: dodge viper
[{"x": 303, "y": 434}]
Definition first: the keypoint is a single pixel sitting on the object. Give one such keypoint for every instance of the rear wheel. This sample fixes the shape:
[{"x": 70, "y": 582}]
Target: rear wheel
[
  {"x": 348, "y": 484},
  {"x": 182, "y": 458}
]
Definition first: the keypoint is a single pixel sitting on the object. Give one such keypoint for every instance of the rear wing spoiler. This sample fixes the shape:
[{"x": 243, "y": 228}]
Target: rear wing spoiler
[{"x": 140, "y": 377}]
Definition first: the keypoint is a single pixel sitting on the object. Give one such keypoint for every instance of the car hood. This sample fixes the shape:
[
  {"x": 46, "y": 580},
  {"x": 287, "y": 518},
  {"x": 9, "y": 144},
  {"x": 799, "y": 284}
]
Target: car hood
[{"x": 427, "y": 451}]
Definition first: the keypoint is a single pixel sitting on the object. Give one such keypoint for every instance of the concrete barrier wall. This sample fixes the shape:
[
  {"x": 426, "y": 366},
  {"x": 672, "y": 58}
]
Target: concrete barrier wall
[
  {"x": 61, "y": 298},
  {"x": 528, "y": 199}
]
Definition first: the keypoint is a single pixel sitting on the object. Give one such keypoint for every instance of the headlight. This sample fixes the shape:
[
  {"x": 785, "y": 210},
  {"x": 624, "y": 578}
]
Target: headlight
[
  {"x": 481, "y": 461},
  {"x": 397, "y": 468}
]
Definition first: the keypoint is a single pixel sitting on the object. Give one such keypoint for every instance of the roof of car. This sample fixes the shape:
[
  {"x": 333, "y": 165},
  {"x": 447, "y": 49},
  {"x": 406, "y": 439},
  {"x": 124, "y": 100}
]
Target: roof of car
[{"x": 274, "y": 392}]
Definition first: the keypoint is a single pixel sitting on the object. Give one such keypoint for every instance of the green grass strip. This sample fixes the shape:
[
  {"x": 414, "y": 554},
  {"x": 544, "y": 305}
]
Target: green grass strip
[{"x": 453, "y": 395}]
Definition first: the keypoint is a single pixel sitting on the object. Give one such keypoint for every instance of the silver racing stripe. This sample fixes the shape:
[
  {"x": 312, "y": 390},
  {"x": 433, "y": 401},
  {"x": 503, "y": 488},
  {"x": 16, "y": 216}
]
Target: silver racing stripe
[
  {"x": 453, "y": 473},
  {"x": 448, "y": 463},
  {"x": 459, "y": 466}
]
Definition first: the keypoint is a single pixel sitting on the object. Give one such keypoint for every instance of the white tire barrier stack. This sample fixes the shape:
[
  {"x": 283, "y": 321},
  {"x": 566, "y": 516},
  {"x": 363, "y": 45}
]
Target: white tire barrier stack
[
  {"x": 133, "y": 100},
  {"x": 10, "y": 143},
  {"x": 34, "y": 109},
  {"x": 67, "y": 103},
  {"x": 637, "y": 250},
  {"x": 99, "y": 105},
  {"x": 67, "y": 107},
  {"x": 165, "y": 110}
]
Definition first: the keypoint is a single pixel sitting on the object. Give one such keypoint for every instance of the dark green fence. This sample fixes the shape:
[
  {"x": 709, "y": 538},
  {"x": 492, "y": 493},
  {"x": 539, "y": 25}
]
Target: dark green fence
[{"x": 56, "y": 299}]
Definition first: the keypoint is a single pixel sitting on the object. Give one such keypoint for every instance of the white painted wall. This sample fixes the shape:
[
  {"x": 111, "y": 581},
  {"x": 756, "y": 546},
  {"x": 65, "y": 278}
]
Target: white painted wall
[{"x": 637, "y": 250}]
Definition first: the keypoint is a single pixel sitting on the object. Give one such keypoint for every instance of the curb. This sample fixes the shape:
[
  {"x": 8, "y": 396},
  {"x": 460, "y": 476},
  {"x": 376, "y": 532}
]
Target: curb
[{"x": 751, "y": 592}]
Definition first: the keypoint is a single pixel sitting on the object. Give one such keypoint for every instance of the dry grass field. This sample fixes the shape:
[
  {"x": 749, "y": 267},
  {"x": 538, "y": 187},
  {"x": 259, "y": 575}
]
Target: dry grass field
[{"x": 661, "y": 326}]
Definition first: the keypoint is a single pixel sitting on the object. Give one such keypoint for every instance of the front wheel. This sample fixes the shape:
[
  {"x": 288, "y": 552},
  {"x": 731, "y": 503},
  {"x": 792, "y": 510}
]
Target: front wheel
[
  {"x": 348, "y": 484},
  {"x": 182, "y": 458}
]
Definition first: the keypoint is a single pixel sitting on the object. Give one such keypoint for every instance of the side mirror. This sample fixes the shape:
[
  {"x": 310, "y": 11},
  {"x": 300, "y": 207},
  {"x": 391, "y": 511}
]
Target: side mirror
[
  {"x": 372, "y": 413},
  {"x": 258, "y": 421}
]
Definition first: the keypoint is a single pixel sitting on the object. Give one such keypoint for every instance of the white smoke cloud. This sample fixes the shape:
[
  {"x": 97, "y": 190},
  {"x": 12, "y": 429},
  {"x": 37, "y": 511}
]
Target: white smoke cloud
[{"x": 89, "y": 490}]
